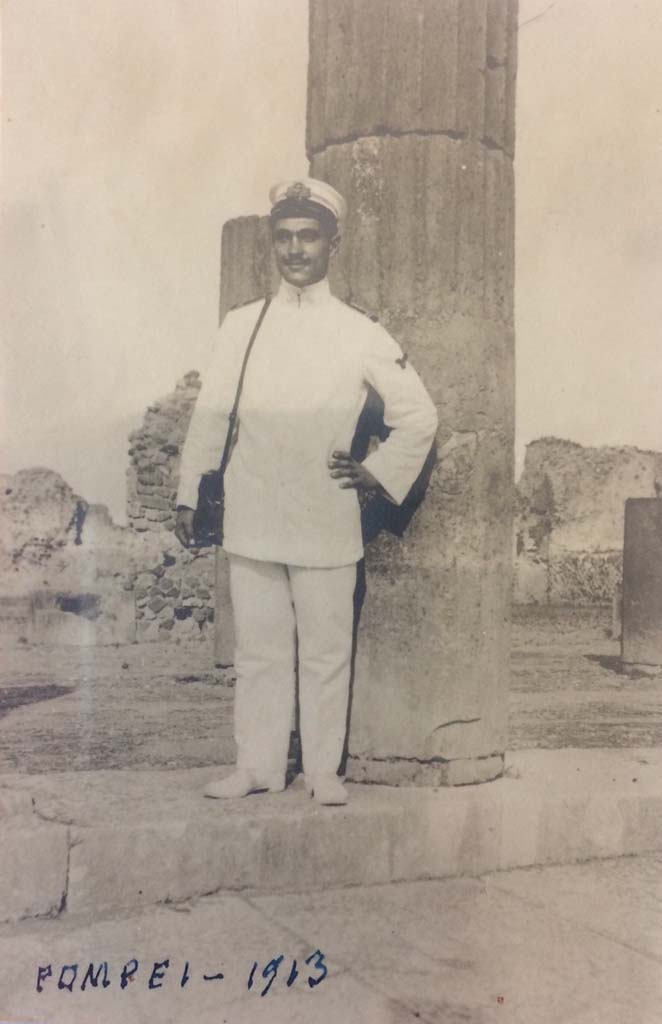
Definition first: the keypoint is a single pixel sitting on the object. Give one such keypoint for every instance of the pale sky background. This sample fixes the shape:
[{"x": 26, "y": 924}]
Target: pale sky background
[{"x": 132, "y": 129}]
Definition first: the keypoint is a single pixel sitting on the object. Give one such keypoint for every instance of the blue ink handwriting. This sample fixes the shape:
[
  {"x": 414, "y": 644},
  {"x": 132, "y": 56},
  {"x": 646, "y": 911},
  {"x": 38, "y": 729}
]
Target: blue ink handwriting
[{"x": 98, "y": 975}]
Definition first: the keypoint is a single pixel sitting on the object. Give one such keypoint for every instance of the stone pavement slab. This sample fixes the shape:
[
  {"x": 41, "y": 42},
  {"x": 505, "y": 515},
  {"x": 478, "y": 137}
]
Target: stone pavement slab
[
  {"x": 539, "y": 946},
  {"x": 620, "y": 900}
]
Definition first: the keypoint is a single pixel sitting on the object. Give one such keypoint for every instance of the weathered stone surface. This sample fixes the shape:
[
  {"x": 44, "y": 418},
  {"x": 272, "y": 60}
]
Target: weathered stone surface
[
  {"x": 417, "y": 134},
  {"x": 569, "y": 523},
  {"x": 399, "y": 771},
  {"x": 39, "y": 515},
  {"x": 66, "y": 567},
  {"x": 642, "y": 583},
  {"x": 128, "y": 867},
  {"x": 141, "y": 837},
  {"x": 419, "y": 67},
  {"x": 153, "y": 476},
  {"x": 33, "y": 868},
  {"x": 445, "y": 203}
]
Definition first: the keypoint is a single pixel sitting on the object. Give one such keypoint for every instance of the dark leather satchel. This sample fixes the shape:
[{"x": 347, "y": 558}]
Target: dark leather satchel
[{"x": 208, "y": 516}]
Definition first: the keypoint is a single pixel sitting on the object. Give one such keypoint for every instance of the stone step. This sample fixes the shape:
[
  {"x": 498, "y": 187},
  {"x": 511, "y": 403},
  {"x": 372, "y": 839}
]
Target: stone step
[{"x": 105, "y": 841}]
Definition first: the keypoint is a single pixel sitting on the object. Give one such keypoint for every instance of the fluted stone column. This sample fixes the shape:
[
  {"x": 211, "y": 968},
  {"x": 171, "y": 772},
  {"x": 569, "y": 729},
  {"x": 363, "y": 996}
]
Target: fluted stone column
[{"x": 411, "y": 117}]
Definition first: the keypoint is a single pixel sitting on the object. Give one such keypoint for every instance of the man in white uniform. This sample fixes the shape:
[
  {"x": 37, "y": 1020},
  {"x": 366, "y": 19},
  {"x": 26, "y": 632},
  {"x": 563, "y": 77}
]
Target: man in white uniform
[{"x": 292, "y": 527}]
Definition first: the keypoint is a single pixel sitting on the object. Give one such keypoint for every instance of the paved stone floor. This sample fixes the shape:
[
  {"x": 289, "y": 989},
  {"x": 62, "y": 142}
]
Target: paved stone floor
[
  {"x": 165, "y": 706},
  {"x": 557, "y": 945}
]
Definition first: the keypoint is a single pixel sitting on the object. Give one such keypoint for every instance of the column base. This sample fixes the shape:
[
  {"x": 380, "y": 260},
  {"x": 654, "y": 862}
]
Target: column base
[{"x": 401, "y": 771}]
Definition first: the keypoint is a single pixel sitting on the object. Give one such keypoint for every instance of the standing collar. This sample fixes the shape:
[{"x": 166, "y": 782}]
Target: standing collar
[{"x": 313, "y": 295}]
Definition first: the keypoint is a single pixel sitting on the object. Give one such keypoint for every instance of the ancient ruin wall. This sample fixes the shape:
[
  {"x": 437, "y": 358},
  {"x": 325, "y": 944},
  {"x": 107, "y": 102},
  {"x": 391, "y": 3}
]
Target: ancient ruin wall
[
  {"x": 569, "y": 520},
  {"x": 66, "y": 568},
  {"x": 174, "y": 589}
]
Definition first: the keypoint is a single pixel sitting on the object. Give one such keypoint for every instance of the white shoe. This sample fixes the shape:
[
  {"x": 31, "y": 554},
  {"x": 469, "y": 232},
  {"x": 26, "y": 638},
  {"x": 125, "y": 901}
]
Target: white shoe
[
  {"x": 328, "y": 789},
  {"x": 240, "y": 783}
]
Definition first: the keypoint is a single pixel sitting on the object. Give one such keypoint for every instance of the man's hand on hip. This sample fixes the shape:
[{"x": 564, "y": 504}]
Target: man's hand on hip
[
  {"x": 352, "y": 473},
  {"x": 184, "y": 526}
]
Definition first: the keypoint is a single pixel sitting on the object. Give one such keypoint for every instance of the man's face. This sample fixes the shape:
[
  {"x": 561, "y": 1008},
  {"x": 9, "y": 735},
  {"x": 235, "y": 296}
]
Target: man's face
[{"x": 302, "y": 249}]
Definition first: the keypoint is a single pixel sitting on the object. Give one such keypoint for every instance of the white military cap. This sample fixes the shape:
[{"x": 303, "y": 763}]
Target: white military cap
[{"x": 303, "y": 197}]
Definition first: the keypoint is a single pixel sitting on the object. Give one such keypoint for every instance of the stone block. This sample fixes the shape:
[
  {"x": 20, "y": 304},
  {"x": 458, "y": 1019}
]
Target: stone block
[
  {"x": 296, "y": 854},
  {"x": 33, "y": 869},
  {"x": 642, "y": 583},
  {"x": 154, "y": 501},
  {"x": 156, "y": 518},
  {"x": 170, "y": 587},
  {"x": 119, "y": 867}
]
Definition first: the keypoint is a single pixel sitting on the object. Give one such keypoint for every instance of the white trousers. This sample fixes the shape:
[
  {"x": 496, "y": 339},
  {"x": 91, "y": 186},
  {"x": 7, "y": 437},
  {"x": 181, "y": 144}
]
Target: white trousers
[{"x": 275, "y": 606}]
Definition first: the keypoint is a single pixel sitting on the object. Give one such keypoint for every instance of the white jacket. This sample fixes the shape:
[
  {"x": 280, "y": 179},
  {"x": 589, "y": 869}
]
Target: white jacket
[{"x": 306, "y": 383}]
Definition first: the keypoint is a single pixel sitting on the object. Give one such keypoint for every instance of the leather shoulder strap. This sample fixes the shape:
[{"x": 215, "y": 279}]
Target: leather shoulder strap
[{"x": 225, "y": 457}]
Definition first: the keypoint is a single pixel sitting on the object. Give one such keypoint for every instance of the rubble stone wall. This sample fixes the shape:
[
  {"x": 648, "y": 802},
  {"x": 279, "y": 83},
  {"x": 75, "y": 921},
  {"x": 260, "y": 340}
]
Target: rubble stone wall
[
  {"x": 569, "y": 519},
  {"x": 66, "y": 568},
  {"x": 174, "y": 591}
]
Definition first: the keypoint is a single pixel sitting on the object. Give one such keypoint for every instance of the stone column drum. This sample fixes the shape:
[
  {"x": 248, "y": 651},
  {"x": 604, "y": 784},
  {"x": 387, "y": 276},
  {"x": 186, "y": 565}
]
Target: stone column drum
[{"x": 411, "y": 117}]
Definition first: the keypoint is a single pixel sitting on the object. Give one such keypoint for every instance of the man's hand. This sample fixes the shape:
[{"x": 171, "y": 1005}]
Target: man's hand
[
  {"x": 184, "y": 526},
  {"x": 352, "y": 473}
]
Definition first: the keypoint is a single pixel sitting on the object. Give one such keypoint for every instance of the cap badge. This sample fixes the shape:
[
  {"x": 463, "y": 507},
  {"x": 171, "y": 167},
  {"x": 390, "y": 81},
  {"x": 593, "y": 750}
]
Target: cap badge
[{"x": 298, "y": 191}]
